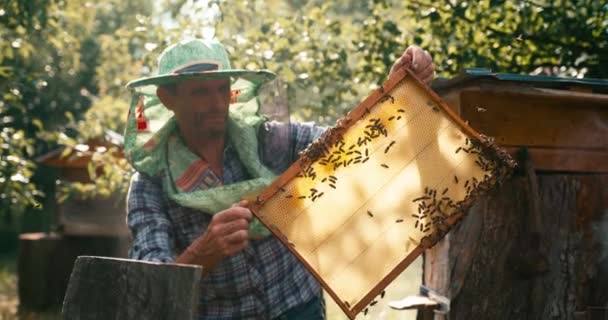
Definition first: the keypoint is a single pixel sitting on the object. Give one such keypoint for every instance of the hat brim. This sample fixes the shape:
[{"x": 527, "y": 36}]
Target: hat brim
[{"x": 260, "y": 76}]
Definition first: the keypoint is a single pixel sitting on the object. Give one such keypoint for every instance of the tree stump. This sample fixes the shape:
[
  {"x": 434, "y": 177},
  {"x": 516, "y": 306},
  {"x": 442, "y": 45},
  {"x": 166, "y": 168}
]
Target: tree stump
[
  {"x": 528, "y": 252},
  {"x": 105, "y": 288}
]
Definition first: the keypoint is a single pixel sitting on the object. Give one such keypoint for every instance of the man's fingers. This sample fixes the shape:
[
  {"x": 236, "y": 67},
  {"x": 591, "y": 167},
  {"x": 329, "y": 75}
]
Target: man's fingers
[
  {"x": 238, "y": 237},
  {"x": 233, "y": 213},
  {"x": 242, "y": 203},
  {"x": 417, "y": 57},
  {"x": 426, "y": 73},
  {"x": 232, "y": 250},
  {"x": 403, "y": 62},
  {"x": 232, "y": 226}
]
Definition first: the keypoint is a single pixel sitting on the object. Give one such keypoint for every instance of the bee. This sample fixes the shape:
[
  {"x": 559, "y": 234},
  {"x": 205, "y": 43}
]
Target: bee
[
  {"x": 384, "y": 165},
  {"x": 389, "y": 146},
  {"x": 369, "y": 213},
  {"x": 421, "y": 198},
  {"x": 398, "y": 220},
  {"x": 387, "y": 97}
]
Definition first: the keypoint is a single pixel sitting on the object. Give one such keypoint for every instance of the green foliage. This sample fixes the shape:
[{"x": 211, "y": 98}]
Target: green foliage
[
  {"x": 567, "y": 38},
  {"x": 64, "y": 64},
  {"x": 16, "y": 190}
]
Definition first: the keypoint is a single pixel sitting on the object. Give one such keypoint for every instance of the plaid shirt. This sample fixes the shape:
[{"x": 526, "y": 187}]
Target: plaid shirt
[{"x": 261, "y": 282}]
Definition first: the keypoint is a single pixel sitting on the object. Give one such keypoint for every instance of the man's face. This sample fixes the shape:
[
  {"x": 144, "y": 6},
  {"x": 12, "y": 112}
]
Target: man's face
[{"x": 201, "y": 106}]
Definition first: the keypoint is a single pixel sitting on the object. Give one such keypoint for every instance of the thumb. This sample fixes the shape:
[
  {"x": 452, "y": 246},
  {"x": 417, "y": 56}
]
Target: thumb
[{"x": 242, "y": 203}]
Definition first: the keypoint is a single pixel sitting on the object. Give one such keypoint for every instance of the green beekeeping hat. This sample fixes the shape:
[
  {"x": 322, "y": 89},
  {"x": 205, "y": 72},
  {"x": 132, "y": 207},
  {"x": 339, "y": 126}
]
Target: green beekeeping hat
[
  {"x": 198, "y": 59},
  {"x": 152, "y": 141}
]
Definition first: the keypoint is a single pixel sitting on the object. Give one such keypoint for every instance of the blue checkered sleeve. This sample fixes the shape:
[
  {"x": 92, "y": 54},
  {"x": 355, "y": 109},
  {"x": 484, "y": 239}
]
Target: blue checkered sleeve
[
  {"x": 305, "y": 133},
  {"x": 148, "y": 221},
  {"x": 280, "y": 144}
]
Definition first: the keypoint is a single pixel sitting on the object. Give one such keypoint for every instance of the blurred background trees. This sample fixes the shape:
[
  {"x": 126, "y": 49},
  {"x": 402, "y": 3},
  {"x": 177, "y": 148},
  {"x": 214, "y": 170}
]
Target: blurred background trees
[{"x": 64, "y": 64}]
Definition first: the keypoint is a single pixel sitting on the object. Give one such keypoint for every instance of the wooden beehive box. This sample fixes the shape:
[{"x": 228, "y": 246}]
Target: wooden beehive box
[
  {"x": 86, "y": 216},
  {"x": 535, "y": 248}
]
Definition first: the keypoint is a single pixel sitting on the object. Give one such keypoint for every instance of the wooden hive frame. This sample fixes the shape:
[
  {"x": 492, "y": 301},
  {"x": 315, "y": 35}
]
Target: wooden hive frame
[{"x": 483, "y": 145}]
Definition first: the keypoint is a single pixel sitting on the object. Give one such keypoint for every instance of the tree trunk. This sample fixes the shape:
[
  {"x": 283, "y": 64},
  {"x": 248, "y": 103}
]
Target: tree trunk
[
  {"x": 535, "y": 248},
  {"x": 104, "y": 288}
]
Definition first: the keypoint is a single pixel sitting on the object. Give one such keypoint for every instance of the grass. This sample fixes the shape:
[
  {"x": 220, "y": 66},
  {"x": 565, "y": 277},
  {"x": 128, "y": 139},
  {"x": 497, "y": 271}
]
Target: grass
[
  {"x": 8, "y": 286},
  {"x": 9, "y": 300},
  {"x": 406, "y": 284}
]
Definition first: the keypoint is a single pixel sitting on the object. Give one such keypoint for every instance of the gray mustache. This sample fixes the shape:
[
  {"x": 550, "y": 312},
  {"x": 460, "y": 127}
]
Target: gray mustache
[{"x": 200, "y": 116}]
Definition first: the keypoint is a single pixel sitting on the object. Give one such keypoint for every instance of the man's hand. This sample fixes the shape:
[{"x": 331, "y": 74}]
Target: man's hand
[
  {"x": 226, "y": 235},
  {"x": 419, "y": 61}
]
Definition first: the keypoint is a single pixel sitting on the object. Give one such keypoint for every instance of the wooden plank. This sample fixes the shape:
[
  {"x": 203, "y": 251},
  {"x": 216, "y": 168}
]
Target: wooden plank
[
  {"x": 106, "y": 288},
  {"x": 538, "y": 119},
  {"x": 571, "y": 160}
]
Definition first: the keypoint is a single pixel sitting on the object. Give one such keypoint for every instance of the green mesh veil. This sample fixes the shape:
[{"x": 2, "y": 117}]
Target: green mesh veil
[{"x": 153, "y": 147}]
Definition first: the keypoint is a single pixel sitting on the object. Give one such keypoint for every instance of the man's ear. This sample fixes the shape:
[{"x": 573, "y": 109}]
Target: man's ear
[{"x": 166, "y": 97}]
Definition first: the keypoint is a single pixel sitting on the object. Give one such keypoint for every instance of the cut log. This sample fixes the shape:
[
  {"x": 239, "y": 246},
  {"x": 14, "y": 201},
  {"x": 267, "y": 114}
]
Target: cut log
[{"x": 109, "y": 288}]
